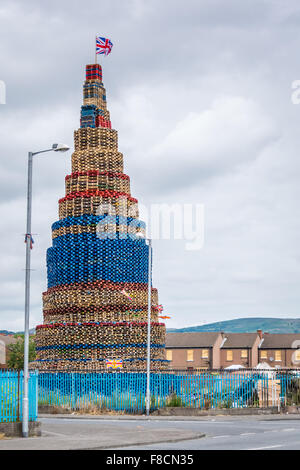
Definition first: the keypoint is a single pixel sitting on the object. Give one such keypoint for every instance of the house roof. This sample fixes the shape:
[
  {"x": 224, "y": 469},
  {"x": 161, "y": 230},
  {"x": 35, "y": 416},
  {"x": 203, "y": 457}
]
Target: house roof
[
  {"x": 239, "y": 340},
  {"x": 280, "y": 341},
  {"x": 191, "y": 340}
]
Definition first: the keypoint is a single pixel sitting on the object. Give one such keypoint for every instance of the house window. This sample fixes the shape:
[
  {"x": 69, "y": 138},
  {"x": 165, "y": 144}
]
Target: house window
[
  {"x": 277, "y": 355},
  {"x": 190, "y": 355},
  {"x": 169, "y": 354},
  {"x": 229, "y": 355},
  {"x": 264, "y": 354},
  {"x": 204, "y": 353},
  {"x": 244, "y": 353}
]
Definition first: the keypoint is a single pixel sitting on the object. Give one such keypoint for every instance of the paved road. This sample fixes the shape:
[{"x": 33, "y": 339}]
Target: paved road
[
  {"x": 237, "y": 433},
  {"x": 222, "y": 432},
  {"x": 94, "y": 432}
]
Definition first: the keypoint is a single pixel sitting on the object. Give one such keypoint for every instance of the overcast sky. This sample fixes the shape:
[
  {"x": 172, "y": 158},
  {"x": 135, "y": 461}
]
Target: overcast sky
[{"x": 200, "y": 93}]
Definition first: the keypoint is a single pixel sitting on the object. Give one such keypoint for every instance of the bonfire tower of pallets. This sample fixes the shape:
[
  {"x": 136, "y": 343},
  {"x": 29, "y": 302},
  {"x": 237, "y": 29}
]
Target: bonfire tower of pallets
[{"x": 95, "y": 308}]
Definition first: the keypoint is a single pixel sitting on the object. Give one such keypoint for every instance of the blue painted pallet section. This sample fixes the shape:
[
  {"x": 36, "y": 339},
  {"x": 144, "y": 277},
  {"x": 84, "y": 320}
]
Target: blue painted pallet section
[{"x": 85, "y": 258}]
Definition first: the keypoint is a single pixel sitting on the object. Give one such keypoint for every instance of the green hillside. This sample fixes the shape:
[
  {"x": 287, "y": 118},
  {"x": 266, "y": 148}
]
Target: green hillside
[
  {"x": 247, "y": 325},
  {"x": 240, "y": 325},
  {"x": 6, "y": 332}
]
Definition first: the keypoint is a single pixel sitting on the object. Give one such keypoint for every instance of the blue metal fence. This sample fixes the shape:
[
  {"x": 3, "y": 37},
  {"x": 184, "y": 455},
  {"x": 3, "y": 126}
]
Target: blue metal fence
[
  {"x": 11, "y": 395},
  {"x": 122, "y": 391}
]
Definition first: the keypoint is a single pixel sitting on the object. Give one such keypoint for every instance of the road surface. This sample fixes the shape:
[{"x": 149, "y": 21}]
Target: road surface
[
  {"x": 238, "y": 433},
  {"x": 137, "y": 433}
]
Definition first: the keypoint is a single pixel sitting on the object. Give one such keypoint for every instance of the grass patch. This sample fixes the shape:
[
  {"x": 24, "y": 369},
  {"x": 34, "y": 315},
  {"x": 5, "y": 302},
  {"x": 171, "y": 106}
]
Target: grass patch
[{"x": 174, "y": 401}]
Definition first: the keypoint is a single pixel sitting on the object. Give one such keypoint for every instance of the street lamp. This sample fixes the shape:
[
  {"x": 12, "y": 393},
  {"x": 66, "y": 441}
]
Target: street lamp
[
  {"x": 28, "y": 240},
  {"x": 140, "y": 235}
]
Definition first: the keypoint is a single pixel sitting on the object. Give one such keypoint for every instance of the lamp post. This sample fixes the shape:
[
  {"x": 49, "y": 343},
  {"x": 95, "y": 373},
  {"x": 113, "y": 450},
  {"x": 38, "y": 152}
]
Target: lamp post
[
  {"x": 140, "y": 235},
  {"x": 28, "y": 240}
]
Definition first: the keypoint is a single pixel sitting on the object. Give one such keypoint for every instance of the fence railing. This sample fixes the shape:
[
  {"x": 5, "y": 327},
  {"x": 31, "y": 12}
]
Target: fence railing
[
  {"x": 11, "y": 395},
  {"x": 122, "y": 391}
]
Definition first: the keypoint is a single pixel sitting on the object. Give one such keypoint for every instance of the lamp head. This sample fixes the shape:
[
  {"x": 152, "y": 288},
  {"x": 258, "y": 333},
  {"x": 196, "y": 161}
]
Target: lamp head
[{"x": 60, "y": 147}]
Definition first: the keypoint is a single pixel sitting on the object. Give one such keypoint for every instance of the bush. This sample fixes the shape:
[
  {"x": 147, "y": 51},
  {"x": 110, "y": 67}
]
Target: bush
[
  {"x": 293, "y": 392},
  {"x": 226, "y": 403},
  {"x": 174, "y": 401},
  {"x": 16, "y": 353},
  {"x": 207, "y": 404}
]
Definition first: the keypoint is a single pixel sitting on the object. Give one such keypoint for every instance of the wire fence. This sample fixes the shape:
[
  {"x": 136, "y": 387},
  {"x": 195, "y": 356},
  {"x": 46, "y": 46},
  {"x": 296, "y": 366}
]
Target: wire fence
[
  {"x": 11, "y": 395},
  {"x": 126, "y": 391}
]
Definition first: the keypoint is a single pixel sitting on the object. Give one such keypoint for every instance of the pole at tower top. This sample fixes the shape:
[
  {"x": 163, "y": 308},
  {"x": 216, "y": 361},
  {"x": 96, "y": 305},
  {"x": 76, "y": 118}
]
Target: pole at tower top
[{"x": 96, "y": 49}]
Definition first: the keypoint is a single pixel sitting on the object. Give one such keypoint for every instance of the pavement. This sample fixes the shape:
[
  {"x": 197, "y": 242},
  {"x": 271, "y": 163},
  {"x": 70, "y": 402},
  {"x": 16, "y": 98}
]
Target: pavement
[
  {"x": 94, "y": 433},
  {"x": 123, "y": 432}
]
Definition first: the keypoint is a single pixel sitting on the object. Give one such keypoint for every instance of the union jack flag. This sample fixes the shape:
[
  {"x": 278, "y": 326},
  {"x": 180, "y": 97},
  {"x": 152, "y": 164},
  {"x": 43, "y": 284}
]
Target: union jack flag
[
  {"x": 28, "y": 236},
  {"x": 103, "y": 45},
  {"x": 114, "y": 363}
]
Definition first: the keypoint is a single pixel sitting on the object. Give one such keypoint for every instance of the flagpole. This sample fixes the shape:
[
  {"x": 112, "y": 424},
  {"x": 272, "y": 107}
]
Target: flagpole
[{"x": 95, "y": 49}]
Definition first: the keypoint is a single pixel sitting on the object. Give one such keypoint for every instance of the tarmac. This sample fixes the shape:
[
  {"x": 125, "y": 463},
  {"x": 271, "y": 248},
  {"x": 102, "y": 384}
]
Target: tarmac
[
  {"x": 89, "y": 432},
  {"x": 133, "y": 432}
]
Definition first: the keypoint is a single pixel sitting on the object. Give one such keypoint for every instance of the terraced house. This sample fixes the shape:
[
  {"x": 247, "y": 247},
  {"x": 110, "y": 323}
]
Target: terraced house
[
  {"x": 194, "y": 351},
  {"x": 219, "y": 350},
  {"x": 240, "y": 348},
  {"x": 281, "y": 350}
]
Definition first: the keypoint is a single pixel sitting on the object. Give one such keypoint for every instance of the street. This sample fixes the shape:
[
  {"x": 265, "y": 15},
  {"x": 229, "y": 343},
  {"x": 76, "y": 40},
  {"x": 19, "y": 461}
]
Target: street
[
  {"x": 137, "y": 433},
  {"x": 238, "y": 434}
]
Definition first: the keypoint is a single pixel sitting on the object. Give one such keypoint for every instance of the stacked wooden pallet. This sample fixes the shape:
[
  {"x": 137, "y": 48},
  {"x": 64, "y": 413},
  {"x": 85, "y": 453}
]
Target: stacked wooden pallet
[
  {"x": 96, "y": 314},
  {"x": 97, "y": 159},
  {"x": 96, "y": 138},
  {"x": 96, "y": 305},
  {"x": 93, "y": 72},
  {"x": 89, "y": 203},
  {"x": 94, "y": 179}
]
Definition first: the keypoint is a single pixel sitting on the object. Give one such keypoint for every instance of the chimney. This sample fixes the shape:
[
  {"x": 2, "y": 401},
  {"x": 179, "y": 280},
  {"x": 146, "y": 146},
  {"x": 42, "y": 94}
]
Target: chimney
[{"x": 260, "y": 333}]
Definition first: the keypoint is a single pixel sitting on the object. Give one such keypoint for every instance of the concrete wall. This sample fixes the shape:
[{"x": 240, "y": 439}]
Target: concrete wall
[
  {"x": 2, "y": 353},
  {"x": 15, "y": 429}
]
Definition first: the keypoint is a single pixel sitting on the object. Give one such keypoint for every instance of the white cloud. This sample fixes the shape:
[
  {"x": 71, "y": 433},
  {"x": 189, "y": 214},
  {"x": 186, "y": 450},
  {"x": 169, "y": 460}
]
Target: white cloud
[
  {"x": 233, "y": 131},
  {"x": 204, "y": 119}
]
